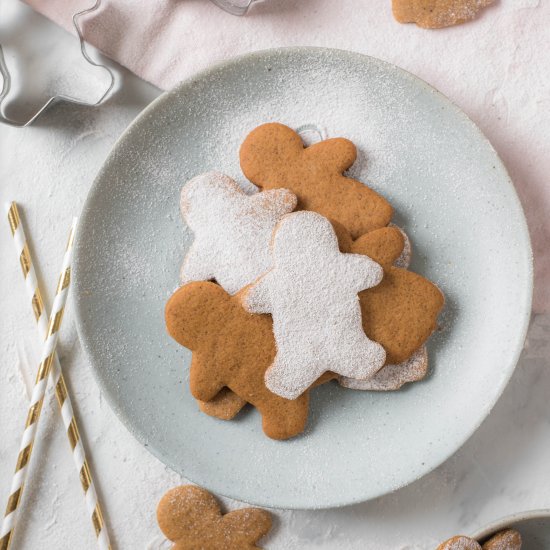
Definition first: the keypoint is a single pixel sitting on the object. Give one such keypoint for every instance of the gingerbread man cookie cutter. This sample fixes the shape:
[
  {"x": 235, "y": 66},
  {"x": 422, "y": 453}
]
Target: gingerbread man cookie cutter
[
  {"x": 57, "y": 98},
  {"x": 311, "y": 133},
  {"x": 234, "y": 7}
]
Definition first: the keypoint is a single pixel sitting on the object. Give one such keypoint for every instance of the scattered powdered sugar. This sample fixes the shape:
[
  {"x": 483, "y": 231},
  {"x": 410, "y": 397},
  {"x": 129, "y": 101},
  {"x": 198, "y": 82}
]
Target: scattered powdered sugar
[
  {"x": 393, "y": 377},
  {"x": 312, "y": 294},
  {"x": 232, "y": 230}
]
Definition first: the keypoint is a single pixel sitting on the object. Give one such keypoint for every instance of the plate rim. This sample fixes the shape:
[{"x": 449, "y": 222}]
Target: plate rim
[{"x": 523, "y": 232}]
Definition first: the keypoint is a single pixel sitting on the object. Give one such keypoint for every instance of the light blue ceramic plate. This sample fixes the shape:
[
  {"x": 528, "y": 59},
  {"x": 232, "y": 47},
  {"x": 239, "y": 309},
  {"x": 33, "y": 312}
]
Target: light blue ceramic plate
[{"x": 451, "y": 194}]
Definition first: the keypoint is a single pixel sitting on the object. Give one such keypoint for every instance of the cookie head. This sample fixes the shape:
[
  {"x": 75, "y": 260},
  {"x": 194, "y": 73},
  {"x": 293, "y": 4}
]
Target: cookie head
[
  {"x": 269, "y": 151},
  {"x": 299, "y": 234},
  {"x": 212, "y": 188},
  {"x": 185, "y": 510},
  {"x": 191, "y": 518},
  {"x": 193, "y": 309}
]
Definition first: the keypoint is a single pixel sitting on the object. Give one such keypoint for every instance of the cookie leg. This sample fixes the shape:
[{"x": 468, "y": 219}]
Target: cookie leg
[
  {"x": 225, "y": 405},
  {"x": 283, "y": 418},
  {"x": 364, "y": 360},
  {"x": 392, "y": 377},
  {"x": 203, "y": 380},
  {"x": 290, "y": 375}
]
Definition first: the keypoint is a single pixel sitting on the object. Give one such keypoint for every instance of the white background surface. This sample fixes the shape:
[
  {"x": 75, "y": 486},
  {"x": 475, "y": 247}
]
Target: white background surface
[{"x": 48, "y": 169}]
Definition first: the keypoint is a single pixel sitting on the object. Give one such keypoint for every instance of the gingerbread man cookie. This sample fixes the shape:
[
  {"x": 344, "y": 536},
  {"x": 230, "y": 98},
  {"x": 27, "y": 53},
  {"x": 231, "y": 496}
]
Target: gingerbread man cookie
[
  {"x": 311, "y": 293},
  {"x": 232, "y": 349},
  {"x": 435, "y": 14},
  {"x": 191, "y": 518},
  {"x": 273, "y": 156},
  {"x": 401, "y": 312},
  {"x": 232, "y": 230}
]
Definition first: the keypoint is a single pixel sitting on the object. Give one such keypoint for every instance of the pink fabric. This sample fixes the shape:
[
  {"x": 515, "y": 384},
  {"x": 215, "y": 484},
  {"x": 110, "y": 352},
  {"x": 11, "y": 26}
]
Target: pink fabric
[{"x": 497, "y": 68}]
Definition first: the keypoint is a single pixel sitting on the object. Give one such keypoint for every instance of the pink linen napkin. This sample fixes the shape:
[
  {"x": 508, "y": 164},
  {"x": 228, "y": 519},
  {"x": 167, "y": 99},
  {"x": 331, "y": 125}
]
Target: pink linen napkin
[{"x": 496, "y": 67}]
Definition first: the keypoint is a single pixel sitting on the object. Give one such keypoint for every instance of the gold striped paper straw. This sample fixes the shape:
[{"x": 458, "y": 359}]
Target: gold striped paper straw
[
  {"x": 37, "y": 397},
  {"x": 57, "y": 379}
]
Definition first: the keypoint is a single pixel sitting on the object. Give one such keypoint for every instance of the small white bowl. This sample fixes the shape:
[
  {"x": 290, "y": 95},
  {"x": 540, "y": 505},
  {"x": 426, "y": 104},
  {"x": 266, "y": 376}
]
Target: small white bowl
[{"x": 534, "y": 527}]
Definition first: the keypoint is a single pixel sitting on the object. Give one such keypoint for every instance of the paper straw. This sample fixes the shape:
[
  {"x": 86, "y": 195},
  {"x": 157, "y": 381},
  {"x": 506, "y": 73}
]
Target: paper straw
[
  {"x": 57, "y": 379},
  {"x": 37, "y": 397}
]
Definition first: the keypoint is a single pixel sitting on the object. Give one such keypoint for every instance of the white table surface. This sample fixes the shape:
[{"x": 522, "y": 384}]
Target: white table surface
[{"x": 48, "y": 169}]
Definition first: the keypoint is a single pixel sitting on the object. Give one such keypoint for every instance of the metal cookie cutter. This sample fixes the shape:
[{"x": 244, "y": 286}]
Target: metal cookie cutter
[
  {"x": 6, "y": 86},
  {"x": 311, "y": 133},
  {"x": 235, "y": 7}
]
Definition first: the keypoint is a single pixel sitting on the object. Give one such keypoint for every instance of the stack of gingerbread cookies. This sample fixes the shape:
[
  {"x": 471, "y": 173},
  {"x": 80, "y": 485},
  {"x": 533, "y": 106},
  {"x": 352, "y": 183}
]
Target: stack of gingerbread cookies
[{"x": 303, "y": 282}]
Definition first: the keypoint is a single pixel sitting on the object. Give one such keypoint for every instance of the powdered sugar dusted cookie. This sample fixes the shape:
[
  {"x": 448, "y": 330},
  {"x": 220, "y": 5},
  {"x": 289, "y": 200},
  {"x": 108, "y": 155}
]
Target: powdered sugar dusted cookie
[
  {"x": 393, "y": 377},
  {"x": 312, "y": 294},
  {"x": 191, "y": 518},
  {"x": 460, "y": 543},
  {"x": 232, "y": 230},
  {"x": 509, "y": 539}
]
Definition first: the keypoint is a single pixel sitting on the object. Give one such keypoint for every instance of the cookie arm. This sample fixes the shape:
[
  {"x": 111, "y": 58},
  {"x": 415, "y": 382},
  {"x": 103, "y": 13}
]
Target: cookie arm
[
  {"x": 194, "y": 267},
  {"x": 338, "y": 153},
  {"x": 256, "y": 297},
  {"x": 278, "y": 201},
  {"x": 383, "y": 245},
  {"x": 247, "y": 526},
  {"x": 362, "y": 272}
]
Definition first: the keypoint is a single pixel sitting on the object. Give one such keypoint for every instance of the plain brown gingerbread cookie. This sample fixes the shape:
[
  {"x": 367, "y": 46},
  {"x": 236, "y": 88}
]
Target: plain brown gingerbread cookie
[
  {"x": 273, "y": 156},
  {"x": 191, "y": 518},
  {"x": 435, "y": 14},
  {"x": 231, "y": 348},
  {"x": 401, "y": 312}
]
